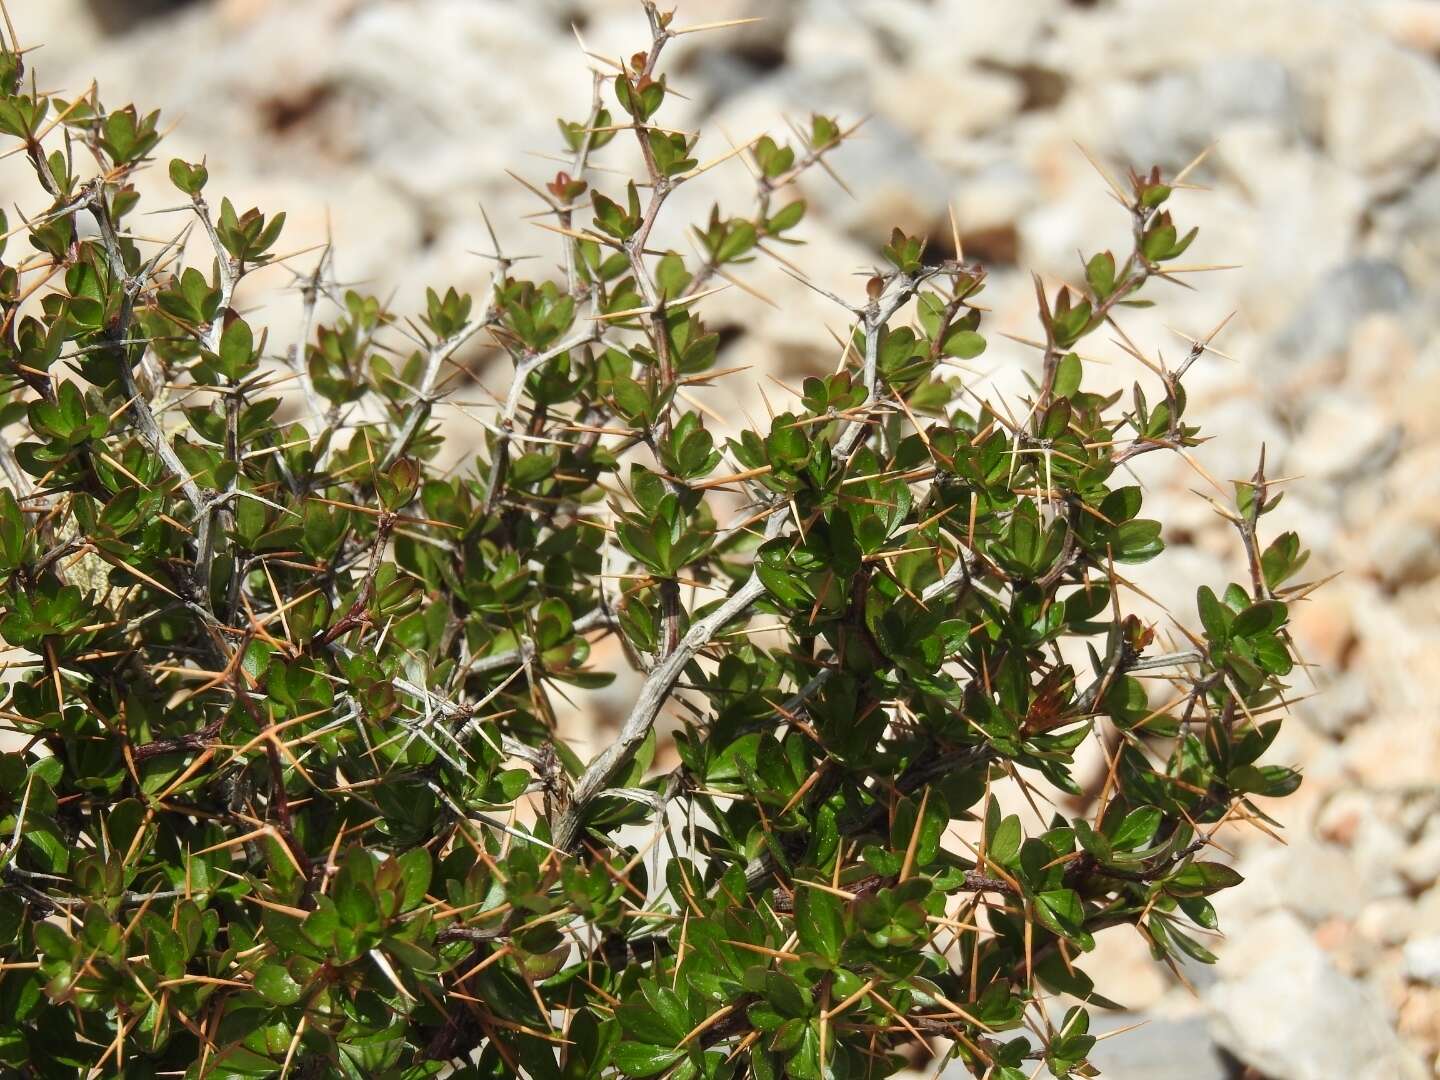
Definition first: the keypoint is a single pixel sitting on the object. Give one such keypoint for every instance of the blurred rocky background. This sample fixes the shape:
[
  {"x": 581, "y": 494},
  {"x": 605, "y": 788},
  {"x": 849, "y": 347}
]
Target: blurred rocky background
[{"x": 387, "y": 123}]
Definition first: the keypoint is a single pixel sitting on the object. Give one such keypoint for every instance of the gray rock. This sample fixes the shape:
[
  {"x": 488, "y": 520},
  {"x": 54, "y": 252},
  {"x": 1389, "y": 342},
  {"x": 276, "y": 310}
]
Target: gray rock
[
  {"x": 1346, "y": 437},
  {"x": 1341, "y": 299},
  {"x": 1174, "y": 1048},
  {"x": 1422, "y": 960},
  {"x": 1394, "y": 752},
  {"x": 1382, "y": 111},
  {"x": 1405, "y": 548},
  {"x": 427, "y": 78},
  {"x": 1387, "y": 921},
  {"x": 1412, "y": 23},
  {"x": 1411, "y": 224},
  {"x": 1343, "y": 702},
  {"x": 1179, "y": 114},
  {"x": 1377, "y": 851},
  {"x": 893, "y": 181},
  {"x": 1281, "y": 1007},
  {"x": 1419, "y": 812},
  {"x": 1178, "y": 1049},
  {"x": 1313, "y": 879},
  {"x": 1421, "y": 864},
  {"x": 1427, "y": 913}
]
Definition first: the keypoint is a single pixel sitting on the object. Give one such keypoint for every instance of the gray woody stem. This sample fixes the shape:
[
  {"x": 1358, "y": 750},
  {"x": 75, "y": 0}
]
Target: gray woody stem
[
  {"x": 420, "y": 408},
  {"x": 228, "y": 274},
  {"x": 653, "y": 696},
  {"x": 523, "y": 369}
]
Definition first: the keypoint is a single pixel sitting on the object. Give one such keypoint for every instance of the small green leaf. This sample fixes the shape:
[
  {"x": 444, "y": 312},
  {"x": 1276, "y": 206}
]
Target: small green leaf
[
  {"x": 964, "y": 344},
  {"x": 1202, "y": 879},
  {"x": 190, "y": 179},
  {"x": 276, "y": 985},
  {"x": 641, "y": 1059},
  {"x": 820, "y": 923},
  {"x": 1214, "y": 616},
  {"x": 1005, "y": 844},
  {"x": 1260, "y": 618},
  {"x": 415, "y": 873},
  {"x": 787, "y": 217},
  {"x": 1137, "y": 828}
]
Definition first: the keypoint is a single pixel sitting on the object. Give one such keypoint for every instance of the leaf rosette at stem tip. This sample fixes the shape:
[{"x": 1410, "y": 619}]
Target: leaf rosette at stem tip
[{"x": 288, "y": 789}]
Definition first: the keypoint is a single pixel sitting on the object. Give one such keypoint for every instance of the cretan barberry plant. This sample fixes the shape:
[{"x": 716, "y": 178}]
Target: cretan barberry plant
[{"x": 283, "y": 794}]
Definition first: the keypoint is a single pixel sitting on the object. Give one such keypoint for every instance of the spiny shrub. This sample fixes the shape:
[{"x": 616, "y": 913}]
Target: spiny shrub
[{"x": 283, "y": 792}]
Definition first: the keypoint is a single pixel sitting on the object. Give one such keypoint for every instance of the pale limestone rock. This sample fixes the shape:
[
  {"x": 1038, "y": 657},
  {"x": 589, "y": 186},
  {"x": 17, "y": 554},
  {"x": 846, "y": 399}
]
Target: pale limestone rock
[
  {"x": 1345, "y": 438},
  {"x": 1421, "y": 863},
  {"x": 1422, "y": 960},
  {"x": 1414, "y": 24},
  {"x": 1382, "y": 113},
  {"x": 1386, "y": 922},
  {"x": 1427, "y": 912},
  {"x": 1177, "y": 1049},
  {"x": 1281, "y": 1007},
  {"x": 1395, "y": 751},
  {"x": 1404, "y": 547},
  {"x": 1315, "y": 880}
]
